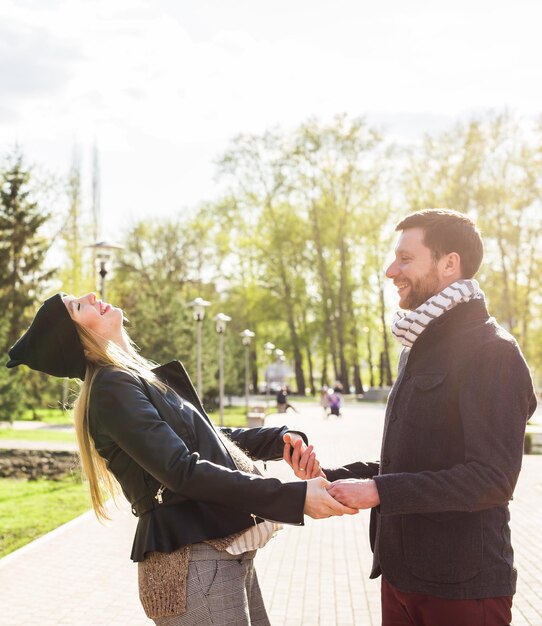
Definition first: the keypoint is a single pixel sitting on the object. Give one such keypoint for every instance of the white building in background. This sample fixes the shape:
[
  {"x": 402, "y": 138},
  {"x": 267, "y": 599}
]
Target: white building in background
[{"x": 277, "y": 374}]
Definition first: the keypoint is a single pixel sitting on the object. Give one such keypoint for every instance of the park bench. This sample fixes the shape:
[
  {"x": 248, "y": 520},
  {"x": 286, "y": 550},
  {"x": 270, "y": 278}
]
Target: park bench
[
  {"x": 533, "y": 437},
  {"x": 256, "y": 416}
]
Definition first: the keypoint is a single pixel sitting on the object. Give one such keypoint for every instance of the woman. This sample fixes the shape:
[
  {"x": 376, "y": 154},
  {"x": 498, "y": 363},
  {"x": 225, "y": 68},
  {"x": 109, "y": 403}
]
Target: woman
[
  {"x": 324, "y": 400},
  {"x": 202, "y": 509}
]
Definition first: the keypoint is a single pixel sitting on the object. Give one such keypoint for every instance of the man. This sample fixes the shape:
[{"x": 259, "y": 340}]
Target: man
[
  {"x": 282, "y": 401},
  {"x": 453, "y": 439}
]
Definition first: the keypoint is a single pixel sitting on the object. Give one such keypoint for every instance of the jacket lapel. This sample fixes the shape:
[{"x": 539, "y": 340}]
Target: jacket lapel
[{"x": 175, "y": 376}]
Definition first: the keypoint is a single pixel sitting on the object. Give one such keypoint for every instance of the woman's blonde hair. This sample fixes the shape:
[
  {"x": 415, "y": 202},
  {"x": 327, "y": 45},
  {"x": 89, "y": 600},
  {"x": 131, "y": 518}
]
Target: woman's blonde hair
[{"x": 101, "y": 353}]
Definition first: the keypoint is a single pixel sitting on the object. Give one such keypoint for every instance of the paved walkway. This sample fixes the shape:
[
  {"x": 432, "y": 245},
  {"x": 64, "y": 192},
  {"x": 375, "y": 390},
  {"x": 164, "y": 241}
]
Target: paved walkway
[{"x": 81, "y": 574}]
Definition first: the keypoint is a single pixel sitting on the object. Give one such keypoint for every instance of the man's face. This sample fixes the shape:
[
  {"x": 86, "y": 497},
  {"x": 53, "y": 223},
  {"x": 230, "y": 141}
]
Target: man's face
[{"x": 414, "y": 271}]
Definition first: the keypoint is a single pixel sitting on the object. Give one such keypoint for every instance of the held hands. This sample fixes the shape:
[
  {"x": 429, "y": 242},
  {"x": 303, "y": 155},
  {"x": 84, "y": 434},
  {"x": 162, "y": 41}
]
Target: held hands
[
  {"x": 361, "y": 494},
  {"x": 320, "y": 501},
  {"x": 300, "y": 457},
  {"x": 319, "y": 504}
]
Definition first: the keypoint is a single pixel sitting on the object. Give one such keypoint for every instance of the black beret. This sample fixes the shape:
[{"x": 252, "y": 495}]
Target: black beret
[{"x": 51, "y": 343}]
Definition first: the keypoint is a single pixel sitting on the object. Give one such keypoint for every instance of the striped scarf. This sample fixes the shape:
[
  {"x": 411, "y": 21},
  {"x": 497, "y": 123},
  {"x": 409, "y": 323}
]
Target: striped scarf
[{"x": 408, "y": 326}]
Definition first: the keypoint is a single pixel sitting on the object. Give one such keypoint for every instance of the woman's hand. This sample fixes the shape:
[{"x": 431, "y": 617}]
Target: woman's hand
[
  {"x": 319, "y": 504},
  {"x": 300, "y": 457}
]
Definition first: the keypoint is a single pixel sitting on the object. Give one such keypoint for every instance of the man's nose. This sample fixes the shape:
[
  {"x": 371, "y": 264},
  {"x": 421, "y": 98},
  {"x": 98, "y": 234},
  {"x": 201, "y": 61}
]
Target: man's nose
[{"x": 391, "y": 272}]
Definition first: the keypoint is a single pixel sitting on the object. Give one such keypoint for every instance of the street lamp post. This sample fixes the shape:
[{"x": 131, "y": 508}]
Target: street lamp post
[
  {"x": 268, "y": 347},
  {"x": 367, "y": 331},
  {"x": 104, "y": 251},
  {"x": 198, "y": 309},
  {"x": 247, "y": 337},
  {"x": 279, "y": 354},
  {"x": 221, "y": 321}
]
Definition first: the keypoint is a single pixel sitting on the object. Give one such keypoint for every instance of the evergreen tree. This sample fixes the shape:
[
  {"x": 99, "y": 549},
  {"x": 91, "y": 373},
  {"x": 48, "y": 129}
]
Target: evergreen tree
[
  {"x": 22, "y": 275},
  {"x": 10, "y": 384},
  {"x": 22, "y": 246}
]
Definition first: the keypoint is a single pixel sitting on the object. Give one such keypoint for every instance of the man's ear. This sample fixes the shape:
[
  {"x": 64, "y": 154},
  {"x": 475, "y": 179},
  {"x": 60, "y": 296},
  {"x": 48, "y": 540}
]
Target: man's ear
[{"x": 451, "y": 265}]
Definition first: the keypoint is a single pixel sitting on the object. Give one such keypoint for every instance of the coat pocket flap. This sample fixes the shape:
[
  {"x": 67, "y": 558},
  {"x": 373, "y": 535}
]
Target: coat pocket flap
[{"x": 425, "y": 382}]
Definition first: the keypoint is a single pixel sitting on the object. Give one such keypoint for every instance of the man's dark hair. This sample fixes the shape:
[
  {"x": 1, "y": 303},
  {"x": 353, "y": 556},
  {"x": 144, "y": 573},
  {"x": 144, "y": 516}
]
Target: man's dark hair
[{"x": 448, "y": 231}]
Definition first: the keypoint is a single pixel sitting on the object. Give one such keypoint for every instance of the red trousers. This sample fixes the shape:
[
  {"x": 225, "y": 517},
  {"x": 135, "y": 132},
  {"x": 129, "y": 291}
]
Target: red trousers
[{"x": 419, "y": 609}]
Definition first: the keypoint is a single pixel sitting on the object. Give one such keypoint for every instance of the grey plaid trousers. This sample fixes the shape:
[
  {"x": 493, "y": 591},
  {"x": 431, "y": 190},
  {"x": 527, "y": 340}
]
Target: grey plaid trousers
[{"x": 221, "y": 590}]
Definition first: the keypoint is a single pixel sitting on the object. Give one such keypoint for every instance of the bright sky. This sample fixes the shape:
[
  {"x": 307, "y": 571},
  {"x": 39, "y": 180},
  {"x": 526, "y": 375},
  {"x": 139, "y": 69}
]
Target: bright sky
[{"x": 162, "y": 85}]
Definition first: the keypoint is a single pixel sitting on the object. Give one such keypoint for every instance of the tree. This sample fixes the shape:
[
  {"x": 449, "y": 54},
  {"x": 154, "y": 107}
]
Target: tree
[
  {"x": 23, "y": 277},
  {"x": 302, "y": 200},
  {"x": 76, "y": 277},
  {"x": 149, "y": 281},
  {"x": 339, "y": 171},
  {"x": 266, "y": 226},
  {"x": 11, "y": 382},
  {"x": 23, "y": 247},
  {"x": 159, "y": 272},
  {"x": 490, "y": 168}
]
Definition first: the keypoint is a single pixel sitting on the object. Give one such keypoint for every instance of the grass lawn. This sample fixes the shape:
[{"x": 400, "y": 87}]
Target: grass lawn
[
  {"x": 234, "y": 417},
  {"x": 40, "y": 434},
  {"x": 29, "y": 509},
  {"x": 55, "y": 417}
]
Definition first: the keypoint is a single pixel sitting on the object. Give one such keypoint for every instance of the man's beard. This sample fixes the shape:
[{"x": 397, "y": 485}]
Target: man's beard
[{"x": 421, "y": 290}]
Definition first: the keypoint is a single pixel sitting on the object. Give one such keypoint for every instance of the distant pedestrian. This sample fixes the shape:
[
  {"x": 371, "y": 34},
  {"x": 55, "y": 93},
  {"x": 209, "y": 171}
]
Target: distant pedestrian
[
  {"x": 282, "y": 400},
  {"x": 324, "y": 400},
  {"x": 335, "y": 400}
]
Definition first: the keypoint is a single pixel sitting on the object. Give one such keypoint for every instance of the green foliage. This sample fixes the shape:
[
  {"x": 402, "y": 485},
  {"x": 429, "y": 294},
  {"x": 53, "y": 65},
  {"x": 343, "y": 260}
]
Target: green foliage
[
  {"x": 160, "y": 271},
  {"x": 22, "y": 246},
  {"x": 491, "y": 168},
  {"x": 294, "y": 250},
  {"x": 23, "y": 249},
  {"x": 303, "y": 201},
  {"x": 11, "y": 395},
  {"x": 151, "y": 283},
  {"x": 10, "y": 383},
  {"x": 53, "y": 417}
]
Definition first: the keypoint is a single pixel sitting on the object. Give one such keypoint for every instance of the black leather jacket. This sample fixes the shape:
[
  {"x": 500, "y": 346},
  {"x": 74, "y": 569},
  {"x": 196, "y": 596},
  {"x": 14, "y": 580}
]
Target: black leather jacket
[{"x": 174, "y": 469}]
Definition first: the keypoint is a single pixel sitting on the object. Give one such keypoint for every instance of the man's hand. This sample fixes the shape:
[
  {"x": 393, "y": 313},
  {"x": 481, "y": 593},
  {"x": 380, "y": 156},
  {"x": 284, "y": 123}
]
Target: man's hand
[
  {"x": 319, "y": 504},
  {"x": 357, "y": 493},
  {"x": 300, "y": 457}
]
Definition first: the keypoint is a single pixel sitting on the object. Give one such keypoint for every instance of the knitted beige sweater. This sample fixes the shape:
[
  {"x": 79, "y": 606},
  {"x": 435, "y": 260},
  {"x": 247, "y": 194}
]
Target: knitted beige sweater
[{"x": 162, "y": 575}]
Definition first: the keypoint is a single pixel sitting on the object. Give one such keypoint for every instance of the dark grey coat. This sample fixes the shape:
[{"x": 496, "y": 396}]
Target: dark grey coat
[{"x": 451, "y": 454}]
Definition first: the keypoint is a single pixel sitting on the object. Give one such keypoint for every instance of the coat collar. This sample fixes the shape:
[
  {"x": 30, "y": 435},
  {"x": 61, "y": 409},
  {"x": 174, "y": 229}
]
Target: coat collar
[
  {"x": 474, "y": 310},
  {"x": 461, "y": 316},
  {"x": 175, "y": 376}
]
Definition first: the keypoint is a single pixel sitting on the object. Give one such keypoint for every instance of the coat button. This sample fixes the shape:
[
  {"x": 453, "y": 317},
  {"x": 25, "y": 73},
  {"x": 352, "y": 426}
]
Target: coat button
[
  {"x": 393, "y": 417},
  {"x": 407, "y": 375},
  {"x": 385, "y": 461}
]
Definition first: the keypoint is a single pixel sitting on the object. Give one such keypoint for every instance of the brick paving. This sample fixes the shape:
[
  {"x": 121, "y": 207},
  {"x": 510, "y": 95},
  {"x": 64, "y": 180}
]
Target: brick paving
[{"x": 81, "y": 574}]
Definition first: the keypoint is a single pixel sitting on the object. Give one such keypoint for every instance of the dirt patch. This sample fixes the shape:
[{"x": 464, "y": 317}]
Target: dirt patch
[{"x": 33, "y": 464}]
